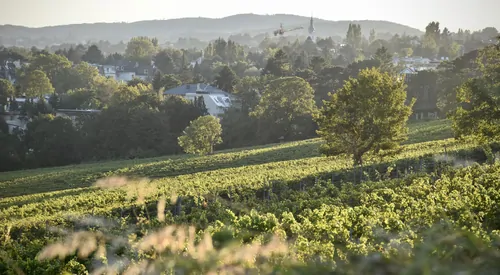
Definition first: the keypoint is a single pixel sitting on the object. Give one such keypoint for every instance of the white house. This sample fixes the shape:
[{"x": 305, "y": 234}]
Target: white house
[
  {"x": 418, "y": 63},
  {"x": 124, "y": 76},
  {"x": 216, "y": 103},
  {"x": 126, "y": 71},
  {"x": 15, "y": 120},
  {"x": 216, "y": 100},
  {"x": 108, "y": 71}
]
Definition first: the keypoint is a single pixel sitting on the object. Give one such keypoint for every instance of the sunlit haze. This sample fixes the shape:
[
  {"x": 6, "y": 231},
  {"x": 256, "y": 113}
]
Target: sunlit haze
[{"x": 451, "y": 13}]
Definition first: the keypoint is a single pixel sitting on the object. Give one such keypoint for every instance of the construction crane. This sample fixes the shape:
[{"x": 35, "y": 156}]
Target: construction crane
[{"x": 282, "y": 31}]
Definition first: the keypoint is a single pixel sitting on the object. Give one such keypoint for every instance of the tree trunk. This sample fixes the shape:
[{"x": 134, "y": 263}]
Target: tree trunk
[{"x": 358, "y": 159}]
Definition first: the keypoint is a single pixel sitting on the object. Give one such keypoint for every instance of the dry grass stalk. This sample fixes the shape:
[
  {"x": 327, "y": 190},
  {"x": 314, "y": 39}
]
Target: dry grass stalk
[
  {"x": 173, "y": 199},
  {"x": 106, "y": 270},
  {"x": 161, "y": 209},
  {"x": 177, "y": 240},
  {"x": 140, "y": 189},
  {"x": 111, "y": 182},
  {"x": 83, "y": 242},
  {"x": 136, "y": 268}
]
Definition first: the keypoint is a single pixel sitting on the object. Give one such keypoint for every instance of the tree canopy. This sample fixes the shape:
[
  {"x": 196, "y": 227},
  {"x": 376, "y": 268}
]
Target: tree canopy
[
  {"x": 93, "y": 55},
  {"x": 140, "y": 49},
  {"x": 284, "y": 101},
  {"x": 226, "y": 80},
  {"x": 37, "y": 84},
  {"x": 478, "y": 113},
  {"x": 368, "y": 113},
  {"x": 6, "y": 91},
  {"x": 201, "y": 135}
]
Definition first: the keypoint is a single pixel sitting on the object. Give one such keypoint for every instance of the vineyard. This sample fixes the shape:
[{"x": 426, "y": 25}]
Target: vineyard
[{"x": 431, "y": 207}]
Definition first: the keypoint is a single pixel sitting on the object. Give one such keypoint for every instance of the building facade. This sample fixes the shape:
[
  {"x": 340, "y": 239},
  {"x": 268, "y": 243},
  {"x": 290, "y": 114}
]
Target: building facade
[{"x": 216, "y": 100}]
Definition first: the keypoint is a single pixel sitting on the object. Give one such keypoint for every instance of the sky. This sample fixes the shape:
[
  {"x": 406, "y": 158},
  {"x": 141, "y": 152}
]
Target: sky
[{"x": 454, "y": 14}]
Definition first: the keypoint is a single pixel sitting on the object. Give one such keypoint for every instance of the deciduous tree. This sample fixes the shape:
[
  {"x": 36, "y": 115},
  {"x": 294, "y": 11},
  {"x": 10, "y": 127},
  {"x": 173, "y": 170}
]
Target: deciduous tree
[
  {"x": 368, "y": 113},
  {"x": 53, "y": 140},
  {"x": 166, "y": 82},
  {"x": 50, "y": 64},
  {"x": 80, "y": 76},
  {"x": 140, "y": 49},
  {"x": 284, "y": 102},
  {"x": 37, "y": 84},
  {"x": 6, "y": 91},
  {"x": 201, "y": 135},
  {"x": 478, "y": 114},
  {"x": 278, "y": 65},
  {"x": 124, "y": 95}
]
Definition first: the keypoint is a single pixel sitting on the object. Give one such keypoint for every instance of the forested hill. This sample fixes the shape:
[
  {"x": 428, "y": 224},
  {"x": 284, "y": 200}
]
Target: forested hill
[{"x": 201, "y": 28}]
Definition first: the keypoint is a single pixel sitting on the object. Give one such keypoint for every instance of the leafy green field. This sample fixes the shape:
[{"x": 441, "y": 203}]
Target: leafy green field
[
  {"x": 50, "y": 194},
  {"x": 84, "y": 175},
  {"x": 321, "y": 206}
]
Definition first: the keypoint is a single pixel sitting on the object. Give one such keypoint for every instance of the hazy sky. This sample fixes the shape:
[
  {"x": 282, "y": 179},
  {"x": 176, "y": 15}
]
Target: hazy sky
[{"x": 472, "y": 14}]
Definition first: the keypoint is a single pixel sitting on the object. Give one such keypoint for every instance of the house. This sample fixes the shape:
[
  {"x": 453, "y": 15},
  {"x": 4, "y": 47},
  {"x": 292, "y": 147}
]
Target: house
[
  {"x": 216, "y": 100},
  {"x": 144, "y": 72},
  {"x": 108, "y": 71},
  {"x": 8, "y": 70},
  {"x": 12, "y": 115},
  {"x": 124, "y": 71},
  {"x": 419, "y": 63},
  {"x": 16, "y": 120}
]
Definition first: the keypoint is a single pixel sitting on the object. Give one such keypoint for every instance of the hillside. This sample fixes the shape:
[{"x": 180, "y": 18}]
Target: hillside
[
  {"x": 201, "y": 28},
  {"x": 25, "y": 182},
  {"x": 320, "y": 206}
]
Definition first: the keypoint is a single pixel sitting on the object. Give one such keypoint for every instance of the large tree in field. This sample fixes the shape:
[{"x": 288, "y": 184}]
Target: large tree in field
[
  {"x": 201, "y": 135},
  {"x": 368, "y": 113},
  {"x": 478, "y": 114}
]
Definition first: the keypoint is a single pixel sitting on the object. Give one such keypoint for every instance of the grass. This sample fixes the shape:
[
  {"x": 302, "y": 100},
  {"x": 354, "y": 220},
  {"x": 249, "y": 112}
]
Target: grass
[{"x": 423, "y": 131}]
